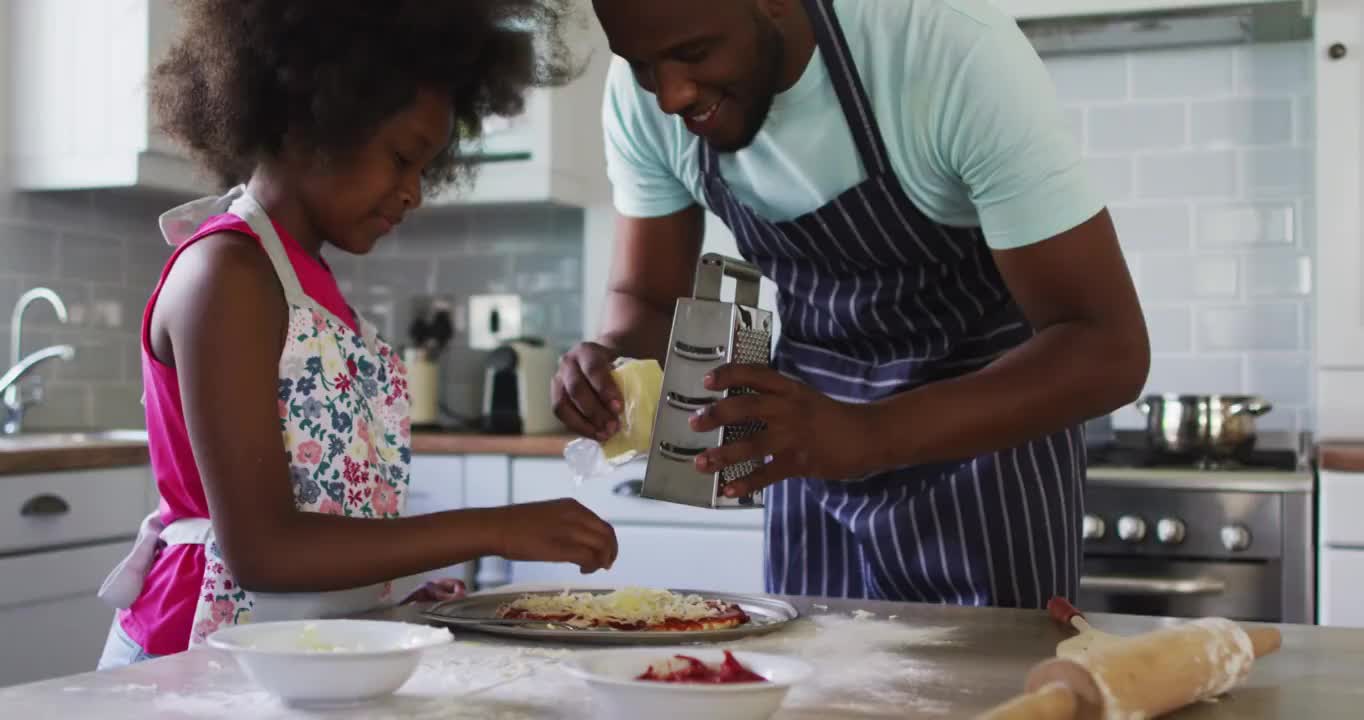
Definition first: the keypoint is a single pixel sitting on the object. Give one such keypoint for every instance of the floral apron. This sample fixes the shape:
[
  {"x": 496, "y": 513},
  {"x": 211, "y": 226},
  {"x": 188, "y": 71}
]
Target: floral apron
[{"x": 343, "y": 411}]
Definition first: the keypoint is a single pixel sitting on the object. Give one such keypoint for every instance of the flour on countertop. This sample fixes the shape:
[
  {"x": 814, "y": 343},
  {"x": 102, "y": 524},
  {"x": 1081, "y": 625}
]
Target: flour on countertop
[{"x": 863, "y": 666}]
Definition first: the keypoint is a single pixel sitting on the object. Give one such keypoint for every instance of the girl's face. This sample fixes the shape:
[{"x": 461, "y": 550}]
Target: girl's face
[{"x": 356, "y": 200}]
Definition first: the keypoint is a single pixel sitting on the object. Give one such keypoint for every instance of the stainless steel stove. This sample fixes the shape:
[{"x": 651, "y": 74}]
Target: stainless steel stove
[{"x": 1168, "y": 536}]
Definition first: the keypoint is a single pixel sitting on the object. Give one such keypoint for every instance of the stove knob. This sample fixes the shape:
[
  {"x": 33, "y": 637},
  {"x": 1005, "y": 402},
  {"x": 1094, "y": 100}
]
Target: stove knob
[
  {"x": 1094, "y": 528},
  {"x": 1170, "y": 531},
  {"x": 1235, "y": 538},
  {"x": 1131, "y": 529}
]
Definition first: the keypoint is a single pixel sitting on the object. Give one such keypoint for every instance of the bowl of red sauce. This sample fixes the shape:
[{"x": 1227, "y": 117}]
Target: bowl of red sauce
[{"x": 687, "y": 683}]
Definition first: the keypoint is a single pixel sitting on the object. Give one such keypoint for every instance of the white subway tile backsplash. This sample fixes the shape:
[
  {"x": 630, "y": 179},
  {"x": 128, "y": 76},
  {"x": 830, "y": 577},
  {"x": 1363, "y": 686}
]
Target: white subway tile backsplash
[
  {"x": 1279, "y": 274},
  {"x": 118, "y": 406},
  {"x": 1246, "y": 225},
  {"x": 1243, "y": 328},
  {"x": 1195, "y": 374},
  {"x": 1155, "y": 226},
  {"x": 1170, "y": 328},
  {"x": 1279, "y": 170},
  {"x": 93, "y": 258},
  {"x": 1112, "y": 176},
  {"x": 1199, "y": 72},
  {"x": 1088, "y": 78},
  {"x": 27, "y": 250},
  {"x": 1166, "y": 278},
  {"x": 1136, "y": 126},
  {"x": 1243, "y": 121},
  {"x": 1304, "y": 120},
  {"x": 1205, "y": 173},
  {"x": 1274, "y": 68},
  {"x": 1281, "y": 379}
]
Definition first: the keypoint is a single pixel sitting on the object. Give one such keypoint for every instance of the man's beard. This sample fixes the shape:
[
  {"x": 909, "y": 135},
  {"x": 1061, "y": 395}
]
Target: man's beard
[{"x": 771, "y": 54}]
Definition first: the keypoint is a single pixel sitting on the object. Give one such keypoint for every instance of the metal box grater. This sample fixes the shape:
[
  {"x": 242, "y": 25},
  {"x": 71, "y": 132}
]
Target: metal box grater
[{"x": 706, "y": 334}]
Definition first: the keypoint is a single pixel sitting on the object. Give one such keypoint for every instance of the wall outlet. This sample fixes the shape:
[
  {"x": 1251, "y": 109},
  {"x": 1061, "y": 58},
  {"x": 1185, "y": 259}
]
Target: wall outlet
[{"x": 493, "y": 320}]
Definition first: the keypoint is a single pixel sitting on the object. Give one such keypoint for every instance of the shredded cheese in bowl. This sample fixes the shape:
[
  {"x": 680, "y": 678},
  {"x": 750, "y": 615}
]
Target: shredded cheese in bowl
[{"x": 626, "y": 606}]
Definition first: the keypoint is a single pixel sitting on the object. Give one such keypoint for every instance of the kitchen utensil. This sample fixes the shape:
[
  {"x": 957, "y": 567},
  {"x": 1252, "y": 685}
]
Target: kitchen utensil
[
  {"x": 329, "y": 662},
  {"x": 1148, "y": 675},
  {"x": 706, "y": 334},
  {"x": 766, "y": 615},
  {"x": 1209, "y": 427},
  {"x": 1088, "y": 638},
  {"x": 610, "y": 674}
]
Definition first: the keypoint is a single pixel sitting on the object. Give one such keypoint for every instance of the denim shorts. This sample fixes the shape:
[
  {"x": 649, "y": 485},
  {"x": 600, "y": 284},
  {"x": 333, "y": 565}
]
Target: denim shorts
[{"x": 120, "y": 650}]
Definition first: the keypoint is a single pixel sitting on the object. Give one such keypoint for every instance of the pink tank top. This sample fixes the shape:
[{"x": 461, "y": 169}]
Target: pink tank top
[{"x": 160, "y": 620}]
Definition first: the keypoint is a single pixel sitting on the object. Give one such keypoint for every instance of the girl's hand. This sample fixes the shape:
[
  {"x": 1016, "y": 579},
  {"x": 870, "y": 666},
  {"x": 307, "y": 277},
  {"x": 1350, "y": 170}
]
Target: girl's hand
[
  {"x": 437, "y": 591},
  {"x": 556, "y": 531}
]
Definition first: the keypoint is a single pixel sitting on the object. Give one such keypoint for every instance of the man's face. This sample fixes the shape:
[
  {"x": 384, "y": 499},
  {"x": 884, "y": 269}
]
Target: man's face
[{"x": 715, "y": 63}]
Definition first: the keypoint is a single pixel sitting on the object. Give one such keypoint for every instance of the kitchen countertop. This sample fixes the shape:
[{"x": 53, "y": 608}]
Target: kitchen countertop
[
  {"x": 908, "y": 660},
  {"x": 1341, "y": 455},
  {"x": 57, "y": 451},
  {"x": 453, "y": 443}
]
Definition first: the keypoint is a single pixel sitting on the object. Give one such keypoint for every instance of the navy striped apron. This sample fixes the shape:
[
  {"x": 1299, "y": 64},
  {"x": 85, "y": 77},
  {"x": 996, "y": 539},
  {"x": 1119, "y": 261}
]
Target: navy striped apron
[{"x": 877, "y": 299}]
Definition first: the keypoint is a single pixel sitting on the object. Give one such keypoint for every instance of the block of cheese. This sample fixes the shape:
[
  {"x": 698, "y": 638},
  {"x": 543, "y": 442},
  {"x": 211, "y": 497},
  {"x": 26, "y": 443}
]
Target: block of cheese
[{"x": 641, "y": 385}]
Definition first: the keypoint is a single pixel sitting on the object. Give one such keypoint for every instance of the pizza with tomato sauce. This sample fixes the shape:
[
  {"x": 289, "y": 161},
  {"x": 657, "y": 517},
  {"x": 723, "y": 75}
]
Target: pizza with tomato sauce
[{"x": 630, "y": 609}]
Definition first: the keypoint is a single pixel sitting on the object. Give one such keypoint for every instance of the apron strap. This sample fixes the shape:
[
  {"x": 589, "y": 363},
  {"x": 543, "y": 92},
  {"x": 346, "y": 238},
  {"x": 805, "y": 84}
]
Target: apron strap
[{"x": 852, "y": 95}]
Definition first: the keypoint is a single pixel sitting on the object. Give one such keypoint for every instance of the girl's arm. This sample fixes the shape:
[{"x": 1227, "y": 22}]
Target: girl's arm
[{"x": 220, "y": 321}]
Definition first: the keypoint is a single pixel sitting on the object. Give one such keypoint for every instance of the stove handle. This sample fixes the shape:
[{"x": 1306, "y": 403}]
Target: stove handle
[{"x": 1135, "y": 585}]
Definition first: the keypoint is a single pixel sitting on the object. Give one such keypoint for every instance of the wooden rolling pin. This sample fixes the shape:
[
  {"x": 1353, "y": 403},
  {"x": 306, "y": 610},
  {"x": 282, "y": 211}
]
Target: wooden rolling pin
[{"x": 1144, "y": 676}]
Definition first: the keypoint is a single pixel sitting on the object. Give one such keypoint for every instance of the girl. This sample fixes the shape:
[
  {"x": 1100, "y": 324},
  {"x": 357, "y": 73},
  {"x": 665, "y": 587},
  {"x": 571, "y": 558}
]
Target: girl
[{"x": 277, "y": 418}]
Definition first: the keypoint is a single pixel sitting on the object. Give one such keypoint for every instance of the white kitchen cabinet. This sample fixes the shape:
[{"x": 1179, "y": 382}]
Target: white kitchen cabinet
[
  {"x": 661, "y": 544},
  {"x": 714, "y": 559},
  {"x": 52, "y": 622},
  {"x": 1339, "y": 306},
  {"x": 79, "y": 115},
  {"x": 437, "y": 485},
  {"x": 65, "y": 531},
  {"x": 488, "y": 484},
  {"x": 1044, "y": 9},
  {"x": 552, "y": 152},
  {"x": 1340, "y": 544}
]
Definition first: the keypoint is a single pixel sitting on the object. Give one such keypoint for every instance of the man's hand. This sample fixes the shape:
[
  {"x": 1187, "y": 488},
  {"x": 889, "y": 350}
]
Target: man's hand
[
  {"x": 584, "y": 396},
  {"x": 807, "y": 434}
]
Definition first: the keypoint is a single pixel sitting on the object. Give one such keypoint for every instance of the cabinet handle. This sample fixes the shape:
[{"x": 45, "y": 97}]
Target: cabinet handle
[
  {"x": 45, "y": 505},
  {"x": 629, "y": 488},
  {"x": 1337, "y": 51}
]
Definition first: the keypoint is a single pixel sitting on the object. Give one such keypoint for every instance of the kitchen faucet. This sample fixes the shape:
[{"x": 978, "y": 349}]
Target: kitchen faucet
[{"x": 15, "y": 402}]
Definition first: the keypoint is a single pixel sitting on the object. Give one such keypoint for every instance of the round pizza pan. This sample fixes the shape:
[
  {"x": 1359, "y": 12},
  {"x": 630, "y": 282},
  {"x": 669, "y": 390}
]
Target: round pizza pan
[{"x": 766, "y": 614}]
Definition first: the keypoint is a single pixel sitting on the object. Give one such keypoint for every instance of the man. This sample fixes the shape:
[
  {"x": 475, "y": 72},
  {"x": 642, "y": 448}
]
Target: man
[{"x": 953, "y": 299}]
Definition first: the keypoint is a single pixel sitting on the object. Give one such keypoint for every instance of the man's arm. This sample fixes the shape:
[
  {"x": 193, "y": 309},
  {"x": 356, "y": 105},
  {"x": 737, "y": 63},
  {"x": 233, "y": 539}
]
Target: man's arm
[
  {"x": 1090, "y": 355},
  {"x": 652, "y": 267}
]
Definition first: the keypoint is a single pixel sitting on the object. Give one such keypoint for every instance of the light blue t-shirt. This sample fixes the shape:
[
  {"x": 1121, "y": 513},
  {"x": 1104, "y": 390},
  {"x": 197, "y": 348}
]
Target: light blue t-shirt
[{"x": 965, "y": 106}]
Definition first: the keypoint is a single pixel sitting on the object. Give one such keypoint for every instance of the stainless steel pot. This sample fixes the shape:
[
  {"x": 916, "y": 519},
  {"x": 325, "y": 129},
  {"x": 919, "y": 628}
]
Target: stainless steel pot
[{"x": 1210, "y": 427}]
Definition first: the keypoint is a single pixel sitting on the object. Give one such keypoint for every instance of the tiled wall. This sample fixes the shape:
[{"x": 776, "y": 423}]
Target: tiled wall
[
  {"x": 534, "y": 252},
  {"x": 102, "y": 253},
  {"x": 1205, "y": 156}
]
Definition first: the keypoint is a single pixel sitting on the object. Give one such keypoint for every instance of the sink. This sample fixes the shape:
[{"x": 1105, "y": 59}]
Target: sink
[{"x": 40, "y": 439}]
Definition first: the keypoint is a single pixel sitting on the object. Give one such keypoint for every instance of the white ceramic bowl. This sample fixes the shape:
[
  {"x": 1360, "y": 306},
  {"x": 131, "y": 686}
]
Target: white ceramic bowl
[
  {"x": 610, "y": 674},
  {"x": 329, "y": 662}
]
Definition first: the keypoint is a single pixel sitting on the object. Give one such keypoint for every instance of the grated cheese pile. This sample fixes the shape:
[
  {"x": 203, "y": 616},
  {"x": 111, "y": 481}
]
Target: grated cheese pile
[{"x": 627, "y": 605}]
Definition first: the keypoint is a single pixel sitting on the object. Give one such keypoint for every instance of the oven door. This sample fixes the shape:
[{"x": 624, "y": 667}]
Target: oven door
[{"x": 1247, "y": 591}]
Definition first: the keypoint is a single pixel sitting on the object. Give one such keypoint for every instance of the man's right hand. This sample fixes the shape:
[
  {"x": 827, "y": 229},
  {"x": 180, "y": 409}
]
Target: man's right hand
[
  {"x": 584, "y": 396},
  {"x": 556, "y": 531}
]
